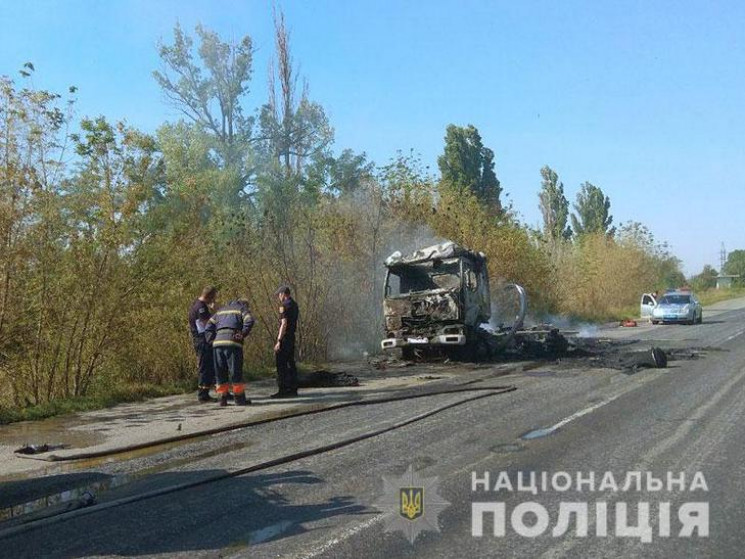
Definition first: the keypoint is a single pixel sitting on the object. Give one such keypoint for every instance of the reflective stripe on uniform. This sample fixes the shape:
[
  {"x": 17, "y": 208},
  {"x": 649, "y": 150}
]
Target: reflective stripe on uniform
[
  {"x": 239, "y": 388},
  {"x": 222, "y": 388},
  {"x": 226, "y": 343}
]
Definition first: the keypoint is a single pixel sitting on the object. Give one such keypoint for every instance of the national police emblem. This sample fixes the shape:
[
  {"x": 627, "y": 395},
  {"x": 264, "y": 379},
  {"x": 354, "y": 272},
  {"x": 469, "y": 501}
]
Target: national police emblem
[{"x": 412, "y": 503}]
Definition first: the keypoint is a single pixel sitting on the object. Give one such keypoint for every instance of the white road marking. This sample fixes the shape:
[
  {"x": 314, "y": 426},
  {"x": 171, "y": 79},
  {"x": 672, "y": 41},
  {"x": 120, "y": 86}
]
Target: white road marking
[
  {"x": 733, "y": 336},
  {"x": 576, "y": 415}
]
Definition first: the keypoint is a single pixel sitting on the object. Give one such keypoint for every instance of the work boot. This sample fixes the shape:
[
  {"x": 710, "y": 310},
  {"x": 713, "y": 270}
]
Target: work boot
[
  {"x": 241, "y": 400},
  {"x": 284, "y": 394},
  {"x": 223, "y": 400},
  {"x": 204, "y": 396}
]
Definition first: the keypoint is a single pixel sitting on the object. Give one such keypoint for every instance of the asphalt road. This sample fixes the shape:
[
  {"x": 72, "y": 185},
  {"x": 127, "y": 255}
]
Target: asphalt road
[{"x": 685, "y": 419}]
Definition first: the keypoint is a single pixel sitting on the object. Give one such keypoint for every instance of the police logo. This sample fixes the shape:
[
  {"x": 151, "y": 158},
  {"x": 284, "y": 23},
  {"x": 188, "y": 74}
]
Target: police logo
[{"x": 411, "y": 503}]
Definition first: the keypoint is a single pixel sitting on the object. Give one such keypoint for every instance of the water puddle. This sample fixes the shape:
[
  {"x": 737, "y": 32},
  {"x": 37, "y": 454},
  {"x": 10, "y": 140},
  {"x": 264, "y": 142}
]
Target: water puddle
[
  {"x": 86, "y": 495},
  {"x": 47, "y": 432},
  {"x": 77, "y": 497}
]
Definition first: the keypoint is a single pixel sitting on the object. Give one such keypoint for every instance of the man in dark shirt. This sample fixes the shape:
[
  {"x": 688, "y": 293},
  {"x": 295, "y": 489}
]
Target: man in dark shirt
[
  {"x": 284, "y": 349},
  {"x": 199, "y": 315}
]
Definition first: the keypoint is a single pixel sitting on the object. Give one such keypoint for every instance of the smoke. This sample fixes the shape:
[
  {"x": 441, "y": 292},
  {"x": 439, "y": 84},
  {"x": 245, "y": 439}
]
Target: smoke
[
  {"x": 588, "y": 331},
  {"x": 356, "y": 312},
  {"x": 582, "y": 328}
]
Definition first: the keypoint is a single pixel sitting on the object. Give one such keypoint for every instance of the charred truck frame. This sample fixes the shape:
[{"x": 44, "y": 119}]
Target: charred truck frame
[
  {"x": 436, "y": 297},
  {"x": 437, "y": 300}
]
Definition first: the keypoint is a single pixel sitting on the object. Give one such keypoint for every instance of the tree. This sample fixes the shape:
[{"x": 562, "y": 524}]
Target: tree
[
  {"x": 107, "y": 201},
  {"x": 33, "y": 137},
  {"x": 210, "y": 91},
  {"x": 735, "y": 265},
  {"x": 592, "y": 212},
  {"x": 657, "y": 257},
  {"x": 707, "y": 279},
  {"x": 467, "y": 164},
  {"x": 293, "y": 129},
  {"x": 554, "y": 206},
  {"x": 338, "y": 176}
]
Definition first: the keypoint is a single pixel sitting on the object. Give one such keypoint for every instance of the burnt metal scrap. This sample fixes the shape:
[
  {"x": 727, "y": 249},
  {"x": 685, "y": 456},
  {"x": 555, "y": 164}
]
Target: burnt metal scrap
[
  {"x": 39, "y": 448},
  {"x": 326, "y": 379},
  {"x": 544, "y": 341},
  {"x": 614, "y": 354}
]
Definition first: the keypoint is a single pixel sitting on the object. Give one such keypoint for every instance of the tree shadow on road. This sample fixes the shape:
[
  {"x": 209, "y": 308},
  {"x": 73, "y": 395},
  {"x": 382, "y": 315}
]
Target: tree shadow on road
[{"x": 236, "y": 513}]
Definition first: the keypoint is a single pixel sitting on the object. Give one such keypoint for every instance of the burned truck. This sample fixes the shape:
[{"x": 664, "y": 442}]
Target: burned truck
[
  {"x": 438, "y": 302},
  {"x": 436, "y": 298}
]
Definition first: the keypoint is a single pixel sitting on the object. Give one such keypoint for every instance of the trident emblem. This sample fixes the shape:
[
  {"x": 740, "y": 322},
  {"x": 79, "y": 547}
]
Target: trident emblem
[{"x": 411, "y": 502}]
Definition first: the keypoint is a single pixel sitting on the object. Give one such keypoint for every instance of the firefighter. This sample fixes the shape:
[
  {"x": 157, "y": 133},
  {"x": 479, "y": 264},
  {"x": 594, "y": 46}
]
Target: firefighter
[
  {"x": 199, "y": 314},
  {"x": 284, "y": 349},
  {"x": 226, "y": 331}
]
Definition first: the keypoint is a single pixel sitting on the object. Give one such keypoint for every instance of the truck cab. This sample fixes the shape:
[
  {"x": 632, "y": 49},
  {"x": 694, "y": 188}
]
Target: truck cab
[{"x": 435, "y": 297}]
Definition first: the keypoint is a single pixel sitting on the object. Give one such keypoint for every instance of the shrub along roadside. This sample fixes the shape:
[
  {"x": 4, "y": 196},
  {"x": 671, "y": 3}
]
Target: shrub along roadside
[
  {"x": 62, "y": 406},
  {"x": 121, "y": 394}
]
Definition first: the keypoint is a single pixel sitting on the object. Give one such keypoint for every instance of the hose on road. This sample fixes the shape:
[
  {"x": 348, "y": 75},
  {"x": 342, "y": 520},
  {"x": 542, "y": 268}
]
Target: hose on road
[
  {"x": 484, "y": 392},
  {"x": 408, "y": 395}
]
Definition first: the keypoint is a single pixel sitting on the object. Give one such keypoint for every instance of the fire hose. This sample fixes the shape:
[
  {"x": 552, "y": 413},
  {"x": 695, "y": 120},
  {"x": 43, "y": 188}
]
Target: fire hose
[{"x": 61, "y": 516}]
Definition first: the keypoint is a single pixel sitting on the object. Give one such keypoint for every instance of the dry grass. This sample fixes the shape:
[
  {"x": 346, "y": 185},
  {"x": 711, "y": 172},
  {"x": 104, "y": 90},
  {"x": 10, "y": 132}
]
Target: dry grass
[{"x": 711, "y": 296}]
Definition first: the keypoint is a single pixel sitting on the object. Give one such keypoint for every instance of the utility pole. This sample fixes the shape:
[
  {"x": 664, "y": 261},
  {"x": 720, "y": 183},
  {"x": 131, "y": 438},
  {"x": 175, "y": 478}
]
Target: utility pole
[{"x": 722, "y": 259}]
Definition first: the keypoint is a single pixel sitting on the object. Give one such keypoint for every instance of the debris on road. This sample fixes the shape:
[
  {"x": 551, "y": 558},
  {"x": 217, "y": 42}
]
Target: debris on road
[
  {"x": 613, "y": 355},
  {"x": 541, "y": 341},
  {"x": 326, "y": 379},
  {"x": 39, "y": 448},
  {"x": 389, "y": 362}
]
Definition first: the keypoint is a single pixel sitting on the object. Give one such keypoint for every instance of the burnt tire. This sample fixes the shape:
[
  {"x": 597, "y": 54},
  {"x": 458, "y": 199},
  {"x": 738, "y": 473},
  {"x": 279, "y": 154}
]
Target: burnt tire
[
  {"x": 407, "y": 354},
  {"x": 463, "y": 353}
]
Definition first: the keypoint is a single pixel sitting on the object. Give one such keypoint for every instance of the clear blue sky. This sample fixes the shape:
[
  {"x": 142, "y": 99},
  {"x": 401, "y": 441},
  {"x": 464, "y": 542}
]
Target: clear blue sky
[{"x": 645, "y": 99}]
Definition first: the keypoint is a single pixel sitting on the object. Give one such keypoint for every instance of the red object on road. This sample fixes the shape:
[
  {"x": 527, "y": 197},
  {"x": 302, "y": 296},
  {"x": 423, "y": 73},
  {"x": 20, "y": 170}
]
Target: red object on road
[{"x": 628, "y": 323}]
